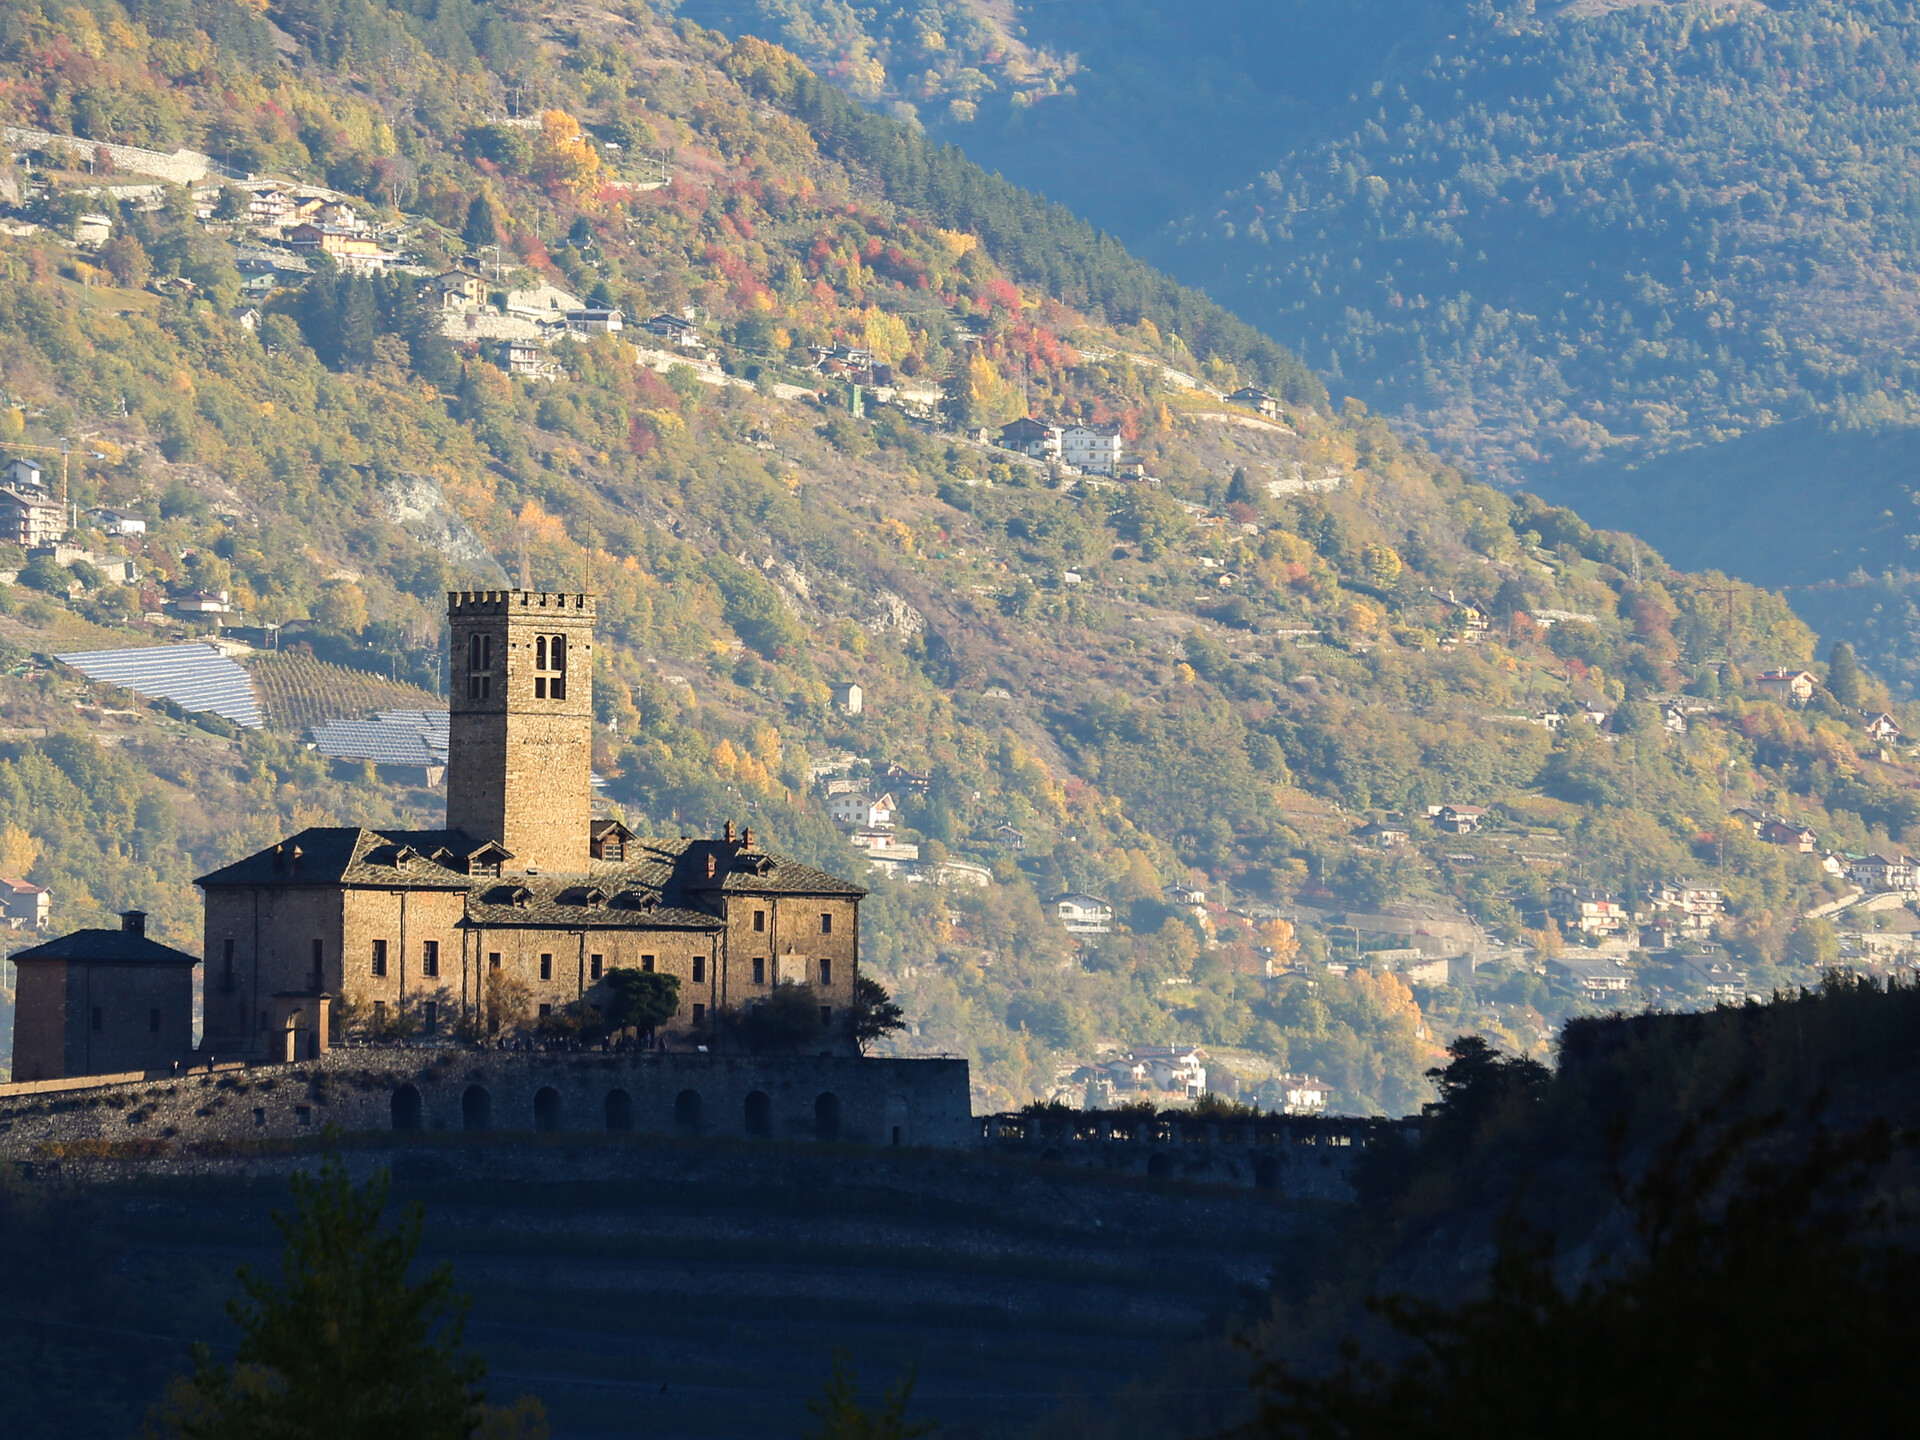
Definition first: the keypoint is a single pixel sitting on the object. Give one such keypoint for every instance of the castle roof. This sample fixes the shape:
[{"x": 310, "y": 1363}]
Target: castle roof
[
  {"x": 106, "y": 947},
  {"x": 685, "y": 878}
]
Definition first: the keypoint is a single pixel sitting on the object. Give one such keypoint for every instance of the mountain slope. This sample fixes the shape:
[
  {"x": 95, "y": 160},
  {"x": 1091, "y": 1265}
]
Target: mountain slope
[
  {"x": 1127, "y": 688},
  {"x": 1557, "y": 245}
]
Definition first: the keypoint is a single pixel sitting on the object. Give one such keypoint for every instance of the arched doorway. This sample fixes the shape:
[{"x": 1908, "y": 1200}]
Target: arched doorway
[
  {"x": 1266, "y": 1172},
  {"x": 546, "y": 1109},
  {"x": 686, "y": 1112},
  {"x": 476, "y": 1109},
  {"x": 759, "y": 1110},
  {"x": 406, "y": 1108},
  {"x": 826, "y": 1117},
  {"x": 1159, "y": 1165},
  {"x": 619, "y": 1110}
]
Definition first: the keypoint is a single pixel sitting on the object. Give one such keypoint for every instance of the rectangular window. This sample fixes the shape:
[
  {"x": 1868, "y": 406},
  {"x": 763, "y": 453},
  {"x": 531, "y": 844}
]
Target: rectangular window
[
  {"x": 319, "y": 956},
  {"x": 480, "y": 667},
  {"x": 598, "y": 963},
  {"x": 546, "y": 1012},
  {"x": 546, "y": 970},
  {"x": 826, "y": 1014},
  {"x": 429, "y": 1016},
  {"x": 646, "y": 964},
  {"x": 759, "y": 922},
  {"x": 379, "y": 957},
  {"x": 699, "y": 969},
  {"x": 304, "y": 1114},
  {"x": 379, "y": 1013},
  {"x": 550, "y": 665},
  {"x": 430, "y": 957},
  {"x": 493, "y": 959},
  {"x": 96, "y": 1018},
  {"x": 759, "y": 970},
  {"x": 826, "y": 923},
  {"x": 699, "y": 1014},
  {"x": 226, "y": 955},
  {"x": 153, "y": 1021},
  {"x": 826, "y": 972}
]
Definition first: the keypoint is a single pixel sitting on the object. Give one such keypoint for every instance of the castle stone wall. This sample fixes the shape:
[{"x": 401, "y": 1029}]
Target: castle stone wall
[{"x": 791, "y": 1098}]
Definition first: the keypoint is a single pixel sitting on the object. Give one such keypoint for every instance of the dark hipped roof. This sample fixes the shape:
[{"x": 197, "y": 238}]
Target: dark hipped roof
[
  {"x": 115, "y": 947},
  {"x": 674, "y": 872}
]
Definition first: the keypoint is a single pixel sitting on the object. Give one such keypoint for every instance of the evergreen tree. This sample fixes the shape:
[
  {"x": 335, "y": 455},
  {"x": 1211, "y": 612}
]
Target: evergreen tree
[
  {"x": 1843, "y": 675},
  {"x": 359, "y": 323},
  {"x": 481, "y": 230},
  {"x": 343, "y": 1346}
]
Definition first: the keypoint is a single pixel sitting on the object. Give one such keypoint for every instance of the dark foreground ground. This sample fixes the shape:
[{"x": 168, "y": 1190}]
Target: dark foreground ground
[{"x": 660, "y": 1288}]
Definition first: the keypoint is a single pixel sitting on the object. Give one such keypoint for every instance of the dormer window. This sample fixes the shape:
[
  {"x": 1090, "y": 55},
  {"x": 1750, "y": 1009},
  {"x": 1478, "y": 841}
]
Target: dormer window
[
  {"x": 487, "y": 859},
  {"x": 549, "y": 667},
  {"x": 609, "y": 841},
  {"x": 480, "y": 667}
]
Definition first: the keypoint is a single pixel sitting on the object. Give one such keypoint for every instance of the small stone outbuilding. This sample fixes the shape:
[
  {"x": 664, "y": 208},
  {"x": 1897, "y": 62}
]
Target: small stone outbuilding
[{"x": 102, "y": 1002}]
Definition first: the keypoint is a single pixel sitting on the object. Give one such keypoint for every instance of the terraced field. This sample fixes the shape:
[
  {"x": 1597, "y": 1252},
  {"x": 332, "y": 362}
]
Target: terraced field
[
  {"x": 699, "y": 1289},
  {"x": 298, "y": 691}
]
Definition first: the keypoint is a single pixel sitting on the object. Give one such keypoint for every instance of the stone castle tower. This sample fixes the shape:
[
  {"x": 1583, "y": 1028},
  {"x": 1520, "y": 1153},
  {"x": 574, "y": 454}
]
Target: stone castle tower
[{"x": 521, "y": 725}]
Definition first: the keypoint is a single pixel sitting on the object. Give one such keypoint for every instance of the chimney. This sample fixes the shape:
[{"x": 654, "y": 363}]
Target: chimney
[
  {"x": 727, "y": 833},
  {"x": 134, "y": 922},
  {"x": 746, "y": 838},
  {"x": 713, "y": 865}
]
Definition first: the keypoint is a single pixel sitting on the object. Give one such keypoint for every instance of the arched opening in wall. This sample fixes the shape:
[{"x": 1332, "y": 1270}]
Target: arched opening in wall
[
  {"x": 686, "y": 1112},
  {"x": 619, "y": 1110},
  {"x": 1266, "y": 1172},
  {"x": 406, "y": 1108},
  {"x": 1159, "y": 1165},
  {"x": 546, "y": 1109},
  {"x": 826, "y": 1117},
  {"x": 476, "y": 1109},
  {"x": 759, "y": 1113}
]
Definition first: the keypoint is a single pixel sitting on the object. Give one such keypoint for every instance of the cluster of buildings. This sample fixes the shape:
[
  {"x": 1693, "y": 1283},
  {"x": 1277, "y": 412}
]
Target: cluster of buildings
[
  {"x": 1076, "y": 448},
  {"x": 518, "y": 909},
  {"x": 867, "y": 814},
  {"x": 1176, "y": 1073}
]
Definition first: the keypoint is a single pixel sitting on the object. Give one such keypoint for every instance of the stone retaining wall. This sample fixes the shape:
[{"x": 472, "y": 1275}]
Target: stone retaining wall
[
  {"x": 182, "y": 167},
  {"x": 859, "y": 1101}
]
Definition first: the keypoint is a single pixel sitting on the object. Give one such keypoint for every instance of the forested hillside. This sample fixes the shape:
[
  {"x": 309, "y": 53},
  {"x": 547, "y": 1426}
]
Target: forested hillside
[
  {"x": 1557, "y": 244},
  {"x": 1208, "y": 680}
]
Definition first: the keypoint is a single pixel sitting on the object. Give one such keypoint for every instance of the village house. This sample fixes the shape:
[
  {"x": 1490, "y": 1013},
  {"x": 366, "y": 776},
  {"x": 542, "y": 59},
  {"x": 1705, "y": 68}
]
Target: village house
[
  {"x": 1788, "y": 836},
  {"x": 1692, "y": 904},
  {"x": 457, "y": 289},
  {"x": 858, "y": 810},
  {"x": 1095, "y": 451},
  {"x": 1255, "y": 398},
  {"x": 1586, "y": 910},
  {"x": 29, "y": 516},
  {"x": 678, "y": 329},
  {"x": 523, "y": 357},
  {"x": 1302, "y": 1094},
  {"x": 1457, "y": 819},
  {"x": 1383, "y": 835},
  {"x": 1082, "y": 914},
  {"x": 1881, "y": 872},
  {"x": 1796, "y": 687},
  {"x": 24, "y": 905},
  {"x": 1035, "y": 438},
  {"x": 1594, "y": 977},
  {"x": 848, "y": 697},
  {"x": 1009, "y": 837},
  {"x": 1884, "y": 727},
  {"x": 900, "y": 777},
  {"x": 335, "y": 240},
  {"x": 1712, "y": 974},
  {"x": 595, "y": 322}
]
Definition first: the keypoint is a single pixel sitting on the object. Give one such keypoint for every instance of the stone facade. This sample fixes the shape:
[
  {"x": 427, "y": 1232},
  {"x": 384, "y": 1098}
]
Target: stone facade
[
  {"x": 791, "y": 1098},
  {"x": 338, "y": 931},
  {"x": 100, "y": 1002},
  {"x": 521, "y": 702}
]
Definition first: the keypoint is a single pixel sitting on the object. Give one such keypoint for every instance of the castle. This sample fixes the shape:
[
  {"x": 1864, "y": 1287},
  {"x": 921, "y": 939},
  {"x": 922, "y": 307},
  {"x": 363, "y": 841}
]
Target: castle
[{"x": 523, "y": 895}]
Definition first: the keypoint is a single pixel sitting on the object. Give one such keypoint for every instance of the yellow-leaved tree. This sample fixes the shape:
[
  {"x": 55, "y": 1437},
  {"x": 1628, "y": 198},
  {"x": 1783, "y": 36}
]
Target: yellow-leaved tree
[{"x": 564, "y": 158}]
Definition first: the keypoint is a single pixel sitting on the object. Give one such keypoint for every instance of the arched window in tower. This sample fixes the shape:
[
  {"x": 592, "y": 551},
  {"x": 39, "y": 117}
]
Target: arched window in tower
[
  {"x": 480, "y": 667},
  {"x": 550, "y": 667}
]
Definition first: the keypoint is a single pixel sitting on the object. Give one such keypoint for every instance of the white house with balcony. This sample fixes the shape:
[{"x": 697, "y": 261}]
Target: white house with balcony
[
  {"x": 1083, "y": 914},
  {"x": 1097, "y": 452},
  {"x": 860, "y": 811}
]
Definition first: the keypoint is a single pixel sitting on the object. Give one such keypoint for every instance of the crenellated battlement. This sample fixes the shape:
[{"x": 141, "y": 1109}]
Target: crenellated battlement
[{"x": 575, "y": 603}]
